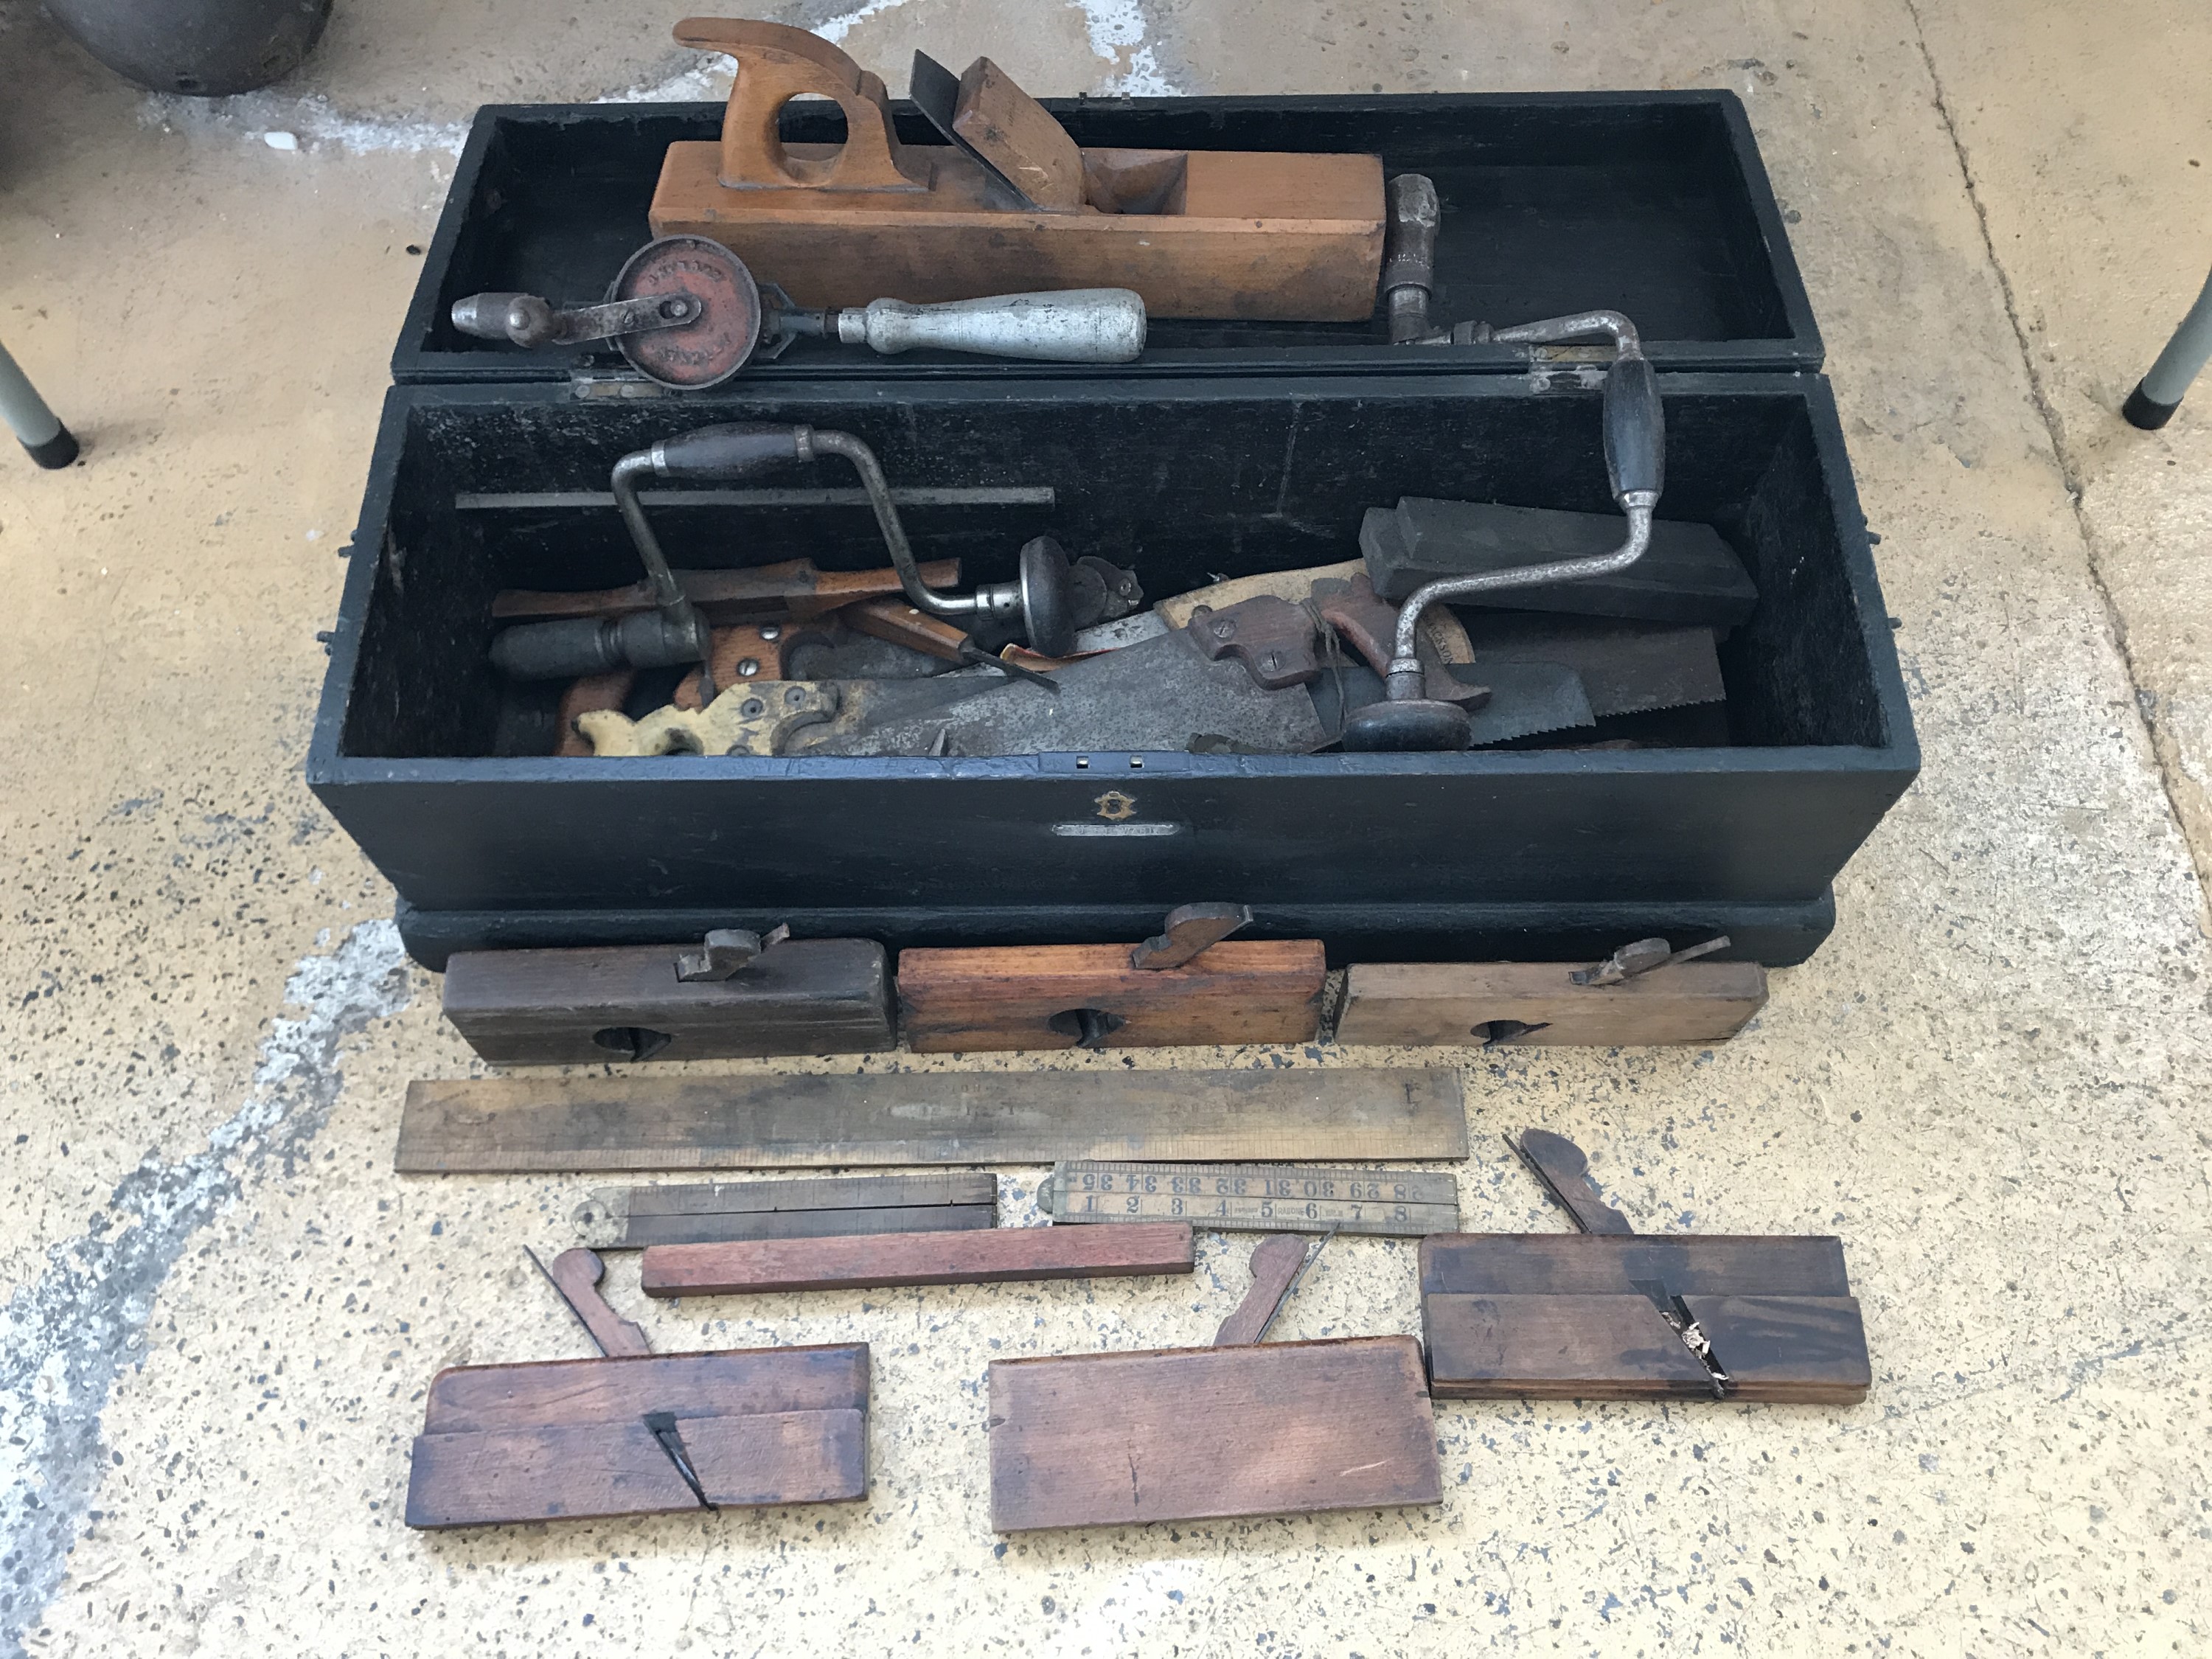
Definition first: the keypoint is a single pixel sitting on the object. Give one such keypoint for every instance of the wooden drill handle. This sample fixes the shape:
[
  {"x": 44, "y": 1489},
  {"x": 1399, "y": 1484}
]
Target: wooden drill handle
[
  {"x": 893, "y": 619},
  {"x": 777, "y": 63}
]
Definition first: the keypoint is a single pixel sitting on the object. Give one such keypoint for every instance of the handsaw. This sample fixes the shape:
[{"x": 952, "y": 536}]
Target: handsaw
[
  {"x": 1625, "y": 667},
  {"x": 1160, "y": 693},
  {"x": 1523, "y": 700}
]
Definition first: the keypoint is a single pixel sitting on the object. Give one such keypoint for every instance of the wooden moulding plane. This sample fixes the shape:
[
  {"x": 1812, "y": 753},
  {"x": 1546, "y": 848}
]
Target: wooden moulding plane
[
  {"x": 998, "y": 1255},
  {"x": 1242, "y": 1428},
  {"x": 637, "y": 1432},
  {"x": 737, "y": 997},
  {"x": 1182, "y": 986},
  {"x": 1012, "y": 202},
  {"x": 1644, "y": 994},
  {"x": 1608, "y": 1314}
]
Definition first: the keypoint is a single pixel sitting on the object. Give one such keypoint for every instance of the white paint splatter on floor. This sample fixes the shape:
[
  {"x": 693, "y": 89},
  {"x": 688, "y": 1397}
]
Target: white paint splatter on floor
[
  {"x": 1117, "y": 32},
  {"x": 65, "y": 1338},
  {"x": 311, "y": 122}
]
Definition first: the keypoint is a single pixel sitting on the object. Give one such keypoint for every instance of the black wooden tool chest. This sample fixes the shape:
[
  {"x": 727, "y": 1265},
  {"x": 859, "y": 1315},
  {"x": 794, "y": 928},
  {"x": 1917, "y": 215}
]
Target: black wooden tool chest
[{"x": 1228, "y": 449}]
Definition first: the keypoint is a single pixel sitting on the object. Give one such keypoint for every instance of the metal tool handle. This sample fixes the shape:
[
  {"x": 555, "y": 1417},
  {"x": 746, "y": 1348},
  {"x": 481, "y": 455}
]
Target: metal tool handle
[
  {"x": 1635, "y": 431},
  {"x": 526, "y": 319},
  {"x": 484, "y": 315},
  {"x": 1076, "y": 326}
]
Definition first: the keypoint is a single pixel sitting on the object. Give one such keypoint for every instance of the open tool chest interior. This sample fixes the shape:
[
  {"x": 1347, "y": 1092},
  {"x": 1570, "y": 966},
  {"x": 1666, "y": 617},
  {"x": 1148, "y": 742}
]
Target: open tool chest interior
[
  {"x": 1655, "y": 204},
  {"x": 1184, "y": 487},
  {"x": 1187, "y": 482}
]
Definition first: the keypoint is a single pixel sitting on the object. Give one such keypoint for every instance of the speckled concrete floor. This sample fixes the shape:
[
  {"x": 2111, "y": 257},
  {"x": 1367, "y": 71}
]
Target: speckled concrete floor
[{"x": 224, "y": 1305}]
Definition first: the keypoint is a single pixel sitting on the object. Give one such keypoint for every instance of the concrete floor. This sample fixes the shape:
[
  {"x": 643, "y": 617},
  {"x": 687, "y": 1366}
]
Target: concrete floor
[{"x": 223, "y": 1306}]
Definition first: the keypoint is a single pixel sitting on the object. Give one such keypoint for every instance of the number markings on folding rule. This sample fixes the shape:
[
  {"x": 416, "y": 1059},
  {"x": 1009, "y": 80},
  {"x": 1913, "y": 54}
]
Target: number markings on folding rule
[{"x": 1255, "y": 1198}]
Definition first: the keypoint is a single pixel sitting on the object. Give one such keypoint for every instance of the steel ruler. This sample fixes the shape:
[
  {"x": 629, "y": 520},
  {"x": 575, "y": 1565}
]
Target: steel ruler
[{"x": 1255, "y": 1197}]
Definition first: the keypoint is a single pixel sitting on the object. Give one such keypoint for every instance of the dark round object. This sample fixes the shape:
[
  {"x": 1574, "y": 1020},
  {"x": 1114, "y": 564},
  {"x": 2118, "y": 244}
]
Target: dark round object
[
  {"x": 1416, "y": 724},
  {"x": 2143, "y": 410},
  {"x": 702, "y": 354},
  {"x": 57, "y": 452},
  {"x": 202, "y": 48},
  {"x": 1049, "y": 597}
]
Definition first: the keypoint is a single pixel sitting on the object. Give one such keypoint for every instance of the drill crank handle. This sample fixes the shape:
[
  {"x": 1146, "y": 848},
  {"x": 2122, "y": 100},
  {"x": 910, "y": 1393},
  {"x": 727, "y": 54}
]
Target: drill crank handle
[
  {"x": 1635, "y": 424},
  {"x": 731, "y": 451},
  {"x": 1635, "y": 429},
  {"x": 734, "y": 450},
  {"x": 713, "y": 451},
  {"x": 674, "y": 632},
  {"x": 525, "y": 319},
  {"x": 950, "y": 607}
]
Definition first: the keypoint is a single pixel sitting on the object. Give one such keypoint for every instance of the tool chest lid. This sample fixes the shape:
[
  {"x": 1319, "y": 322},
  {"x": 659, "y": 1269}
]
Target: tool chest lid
[{"x": 1653, "y": 203}]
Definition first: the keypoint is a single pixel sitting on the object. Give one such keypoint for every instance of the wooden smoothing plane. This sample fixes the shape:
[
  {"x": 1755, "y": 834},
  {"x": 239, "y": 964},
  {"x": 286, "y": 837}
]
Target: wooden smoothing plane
[{"x": 1182, "y": 985}]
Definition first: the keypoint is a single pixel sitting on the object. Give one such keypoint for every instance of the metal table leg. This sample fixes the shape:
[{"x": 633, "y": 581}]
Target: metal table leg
[
  {"x": 2159, "y": 393},
  {"x": 36, "y": 427}
]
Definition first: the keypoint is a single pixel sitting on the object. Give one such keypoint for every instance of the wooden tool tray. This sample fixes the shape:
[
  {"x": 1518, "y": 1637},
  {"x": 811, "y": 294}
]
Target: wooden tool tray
[
  {"x": 1384, "y": 857},
  {"x": 1653, "y": 203}
]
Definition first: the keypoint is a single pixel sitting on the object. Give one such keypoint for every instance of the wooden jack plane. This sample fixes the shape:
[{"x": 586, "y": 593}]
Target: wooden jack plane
[{"x": 1010, "y": 202}]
